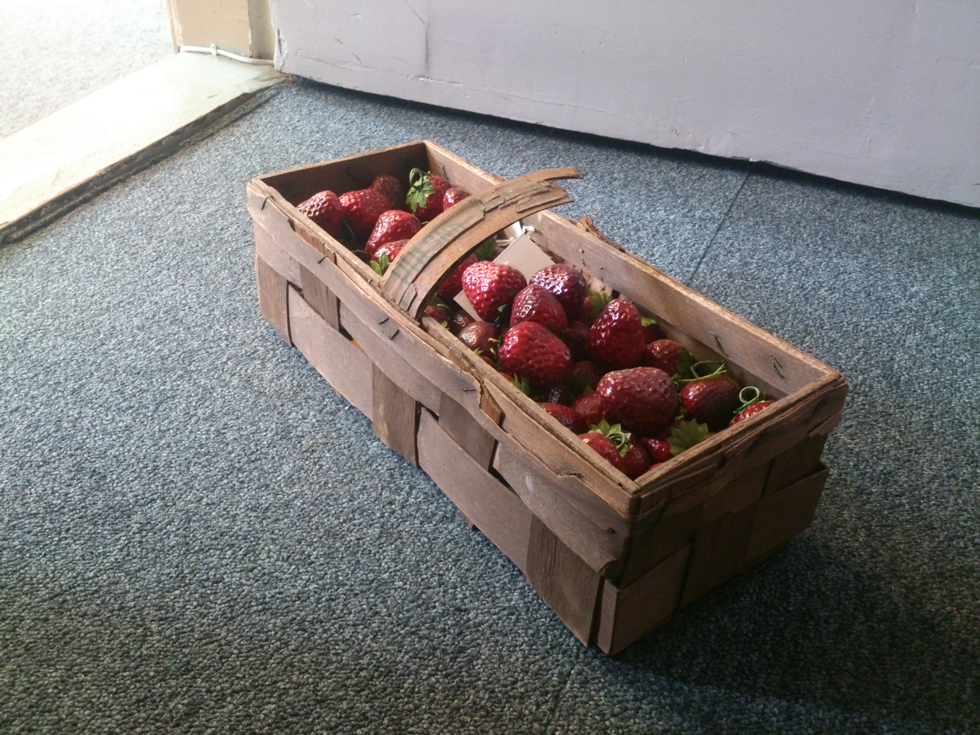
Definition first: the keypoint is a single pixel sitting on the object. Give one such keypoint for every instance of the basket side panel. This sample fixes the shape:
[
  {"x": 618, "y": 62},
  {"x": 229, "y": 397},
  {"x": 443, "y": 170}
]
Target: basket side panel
[
  {"x": 457, "y": 422},
  {"x": 336, "y": 358},
  {"x": 786, "y": 513},
  {"x": 273, "y": 297},
  {"x": 602, "y": 547},
  {"x": 629, "y": 613},
  {"x": 318, "y": 296},
  {"x": 483, "y": 500},
  {"x": 394, "y": 415},
  {"x": 799, "y": 462},
  {"x": 569, "y": 586},
  {"x": 718, "y": 553}
]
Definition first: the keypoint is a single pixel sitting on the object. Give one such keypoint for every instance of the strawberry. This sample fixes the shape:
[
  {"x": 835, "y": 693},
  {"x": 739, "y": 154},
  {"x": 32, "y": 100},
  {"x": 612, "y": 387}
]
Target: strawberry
[
  {"x": 326, "y": 211},
  {"x": 658, "y": 448},
  {"x": 453, "y": 195},
  {"x": 636, "y": 460},
  {"x": 582, "y": 377},
  {"x": 425, "y": 194},
  {"x": 392, "y": 224},
  {"x": 751, "y": 410},
  {"x": 651, "y": 330},
  {"x": 535, "y": 304},
  {"x": 566, "y": 415},
  {"x": 616, "y": 337},
  {"x": 362, "y": 209},
  {"x": 453, "y": 284},
  {"x": 566, "y": 283},
  {"x": 437, "y": 313},
  {"x": 593, "y": 408},
  {"x": 711, "y": 400},
  {"x": 669, "y": 356},
  {"x": 491, "y": 287},
  {"x": 642, "y": 399},
  {"x": 605, "y": 449},
  {"x": 392, "y": 189},
  {"x": 482, "y": 336},
  {"x": 390, "y": 249},
  {"x": 531, "y": 351},
  {"x": 385, "y": 254},
  {"x": 592, "y": 306},
  {"x": 575, "y": 337},
  {"x": 459, "y": 319}
]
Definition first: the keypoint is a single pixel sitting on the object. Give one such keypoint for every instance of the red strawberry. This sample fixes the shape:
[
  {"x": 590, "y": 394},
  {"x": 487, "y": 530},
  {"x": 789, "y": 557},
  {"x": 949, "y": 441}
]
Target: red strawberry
[
  {"x": 325, "y": 209},
  {"x": 391, "y": 249},
  {"x": 362, "y": 209},
  {"x": 384, "y": 255},
  {"x": 751, "y": 410},
  {"x": 531, "y": 351},
  {"x": 436, "y": 313},
  {"x": 583, "y": 377},
  {"x": 491, "y": 287},
  {"x": 575, "y": 337},
  {"x": 453, "y": 195},
  {"x": 605, "y": 448},
  {"x": 616, "y": 337},
  {"x": 665, "y": 354},
  {"x": 593, "y": 408},
  {"x": 636, "y": 460},
  {"x": 478, "y": 336},
  {"x": 566, "y": 415},
  {"x": 657, "y": 447},
  {"x": 392, "y": 224},
  {"x": 453, "y": 284},
  {"x": 642, "y": 399},
  {"x": 566, "y": 283},
  {"x": 425, "y": 194},
  {"x": 711, "y": 400},
  {"x": 535, "y": 304},
  {"x": 392, "y": 189},
  {"x": 459, "y": 319},
  {"x": 651, "y": 330}
]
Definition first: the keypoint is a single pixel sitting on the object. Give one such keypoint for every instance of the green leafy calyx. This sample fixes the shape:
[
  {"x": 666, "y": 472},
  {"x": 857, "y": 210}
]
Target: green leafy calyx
[
  {"x": 381, "y": 264},
  {"x": 487, "y": 249},
  {"x": 419, "y": 190},
  {"x": 598, "y": 301},
  {"x": 686, "y": 434},
  {"x": 614, "y": 433}
]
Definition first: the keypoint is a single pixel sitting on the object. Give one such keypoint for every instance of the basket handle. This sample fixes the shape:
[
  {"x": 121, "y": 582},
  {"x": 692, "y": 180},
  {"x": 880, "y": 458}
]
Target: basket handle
[{"x": 447, "y": 239}]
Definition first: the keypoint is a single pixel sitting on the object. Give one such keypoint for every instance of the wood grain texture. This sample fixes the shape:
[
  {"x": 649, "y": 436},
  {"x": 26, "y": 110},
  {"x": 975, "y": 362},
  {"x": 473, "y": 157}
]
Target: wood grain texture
[
  {"x": 651, "y": 546},
  {"x": 273, "y": 297},
  {"x": 482, "y": 500},
  {"x": 718, "y": 553},
  {"x": 384, "y": 354},
  {"x": 630, "y": 613},
  {"x": 569, "y": 586},
  {"x": 458, "y": 423},
  {"x": 795, "y": 463},
  {"x": 336, "y": 358},
  {"x": 549, "y": 498},
  {"x": 394, "y": 415},
  {"x": 318, "y": 296},
  {"x": 783, "y": 514}
]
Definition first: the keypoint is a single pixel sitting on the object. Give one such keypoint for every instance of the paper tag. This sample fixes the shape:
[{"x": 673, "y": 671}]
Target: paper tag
[{"x": 521, "y": 254}]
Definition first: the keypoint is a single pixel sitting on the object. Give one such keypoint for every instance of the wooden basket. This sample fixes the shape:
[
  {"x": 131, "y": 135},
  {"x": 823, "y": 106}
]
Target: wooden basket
[{"x": 613, "y": 557}]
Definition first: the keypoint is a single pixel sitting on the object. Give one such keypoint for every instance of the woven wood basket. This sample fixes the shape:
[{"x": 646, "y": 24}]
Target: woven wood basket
[{"x": 613, "y": 557}]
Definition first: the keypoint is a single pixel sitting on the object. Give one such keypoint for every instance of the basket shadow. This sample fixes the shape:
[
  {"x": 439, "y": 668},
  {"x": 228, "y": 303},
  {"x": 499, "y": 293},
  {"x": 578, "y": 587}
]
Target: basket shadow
[{"x": 806, "y": 626}]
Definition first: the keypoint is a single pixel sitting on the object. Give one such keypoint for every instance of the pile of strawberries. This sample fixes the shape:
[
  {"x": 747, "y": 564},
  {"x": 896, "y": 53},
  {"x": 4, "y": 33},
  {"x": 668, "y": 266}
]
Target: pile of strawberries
[
  {"x": 593, "y": 362},
  {"x": 379, "y": 220}
]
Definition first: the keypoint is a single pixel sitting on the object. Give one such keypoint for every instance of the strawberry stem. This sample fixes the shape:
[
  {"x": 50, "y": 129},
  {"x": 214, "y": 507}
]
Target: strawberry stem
[
  {"x": 697, "y": 367},
  {"x": 748, "y": 396}
]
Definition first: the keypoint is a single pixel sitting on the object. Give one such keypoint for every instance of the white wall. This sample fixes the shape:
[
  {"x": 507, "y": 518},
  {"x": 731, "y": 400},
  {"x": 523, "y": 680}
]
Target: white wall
[{"x": 879, "y": 92}]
